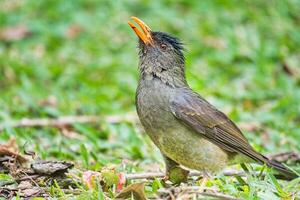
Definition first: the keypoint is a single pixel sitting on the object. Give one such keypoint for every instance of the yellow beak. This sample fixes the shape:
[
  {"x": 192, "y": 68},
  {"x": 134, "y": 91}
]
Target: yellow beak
[{"x": 145, "y": 34}]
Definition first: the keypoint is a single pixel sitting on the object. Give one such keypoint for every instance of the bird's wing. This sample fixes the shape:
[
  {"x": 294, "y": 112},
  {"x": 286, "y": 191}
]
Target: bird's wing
[{"x": 212, "y": 124}]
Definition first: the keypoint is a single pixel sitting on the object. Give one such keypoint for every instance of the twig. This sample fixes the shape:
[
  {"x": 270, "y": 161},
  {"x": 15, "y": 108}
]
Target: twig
[
  {"x": 152, "y": 175},
  {"x": 218, "y": 195},
  {"x": 146, "y": 175},
  {"x": 66, "y": 120},
  {"x": 29, "y": 177},
  {"x": 187, "y": 191},
  {"x": 285, "y": 156}
]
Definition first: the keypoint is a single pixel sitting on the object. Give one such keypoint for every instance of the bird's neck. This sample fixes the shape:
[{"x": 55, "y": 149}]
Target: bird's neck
[{"x": 169, "y": 77}]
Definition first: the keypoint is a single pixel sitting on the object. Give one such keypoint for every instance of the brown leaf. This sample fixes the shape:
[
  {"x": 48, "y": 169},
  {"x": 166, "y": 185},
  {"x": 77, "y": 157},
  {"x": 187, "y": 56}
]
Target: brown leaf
[
  {"x": 11, "y": 144},
  {"x": 10, "y": 149},
  {"x": 14, "y": 33},
  {"x": 135, "y": 189},
  {"x": 30, "y": 192},
  {"x": 24, "y": 185},
  {"x": 51, "y": 167}
]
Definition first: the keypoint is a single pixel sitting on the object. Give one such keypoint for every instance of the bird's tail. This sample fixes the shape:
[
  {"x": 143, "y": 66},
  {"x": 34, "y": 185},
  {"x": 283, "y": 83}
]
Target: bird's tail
[{"x": 285, "y": 173}]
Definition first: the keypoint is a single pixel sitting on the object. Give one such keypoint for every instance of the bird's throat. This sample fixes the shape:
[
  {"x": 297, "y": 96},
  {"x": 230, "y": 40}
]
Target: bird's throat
[{"x": 164, "y": 78}]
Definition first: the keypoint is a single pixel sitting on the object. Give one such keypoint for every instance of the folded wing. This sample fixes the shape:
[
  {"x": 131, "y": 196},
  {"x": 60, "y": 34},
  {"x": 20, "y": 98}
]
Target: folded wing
[{"x": 199, "y": 115}]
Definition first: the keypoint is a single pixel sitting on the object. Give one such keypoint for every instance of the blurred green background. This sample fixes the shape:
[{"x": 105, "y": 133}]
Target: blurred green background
[{"x": 79, "y": 57}]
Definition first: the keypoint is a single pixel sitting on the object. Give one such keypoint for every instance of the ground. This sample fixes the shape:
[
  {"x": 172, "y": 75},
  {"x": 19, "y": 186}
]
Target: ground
[{"x": 71, "y": 58}]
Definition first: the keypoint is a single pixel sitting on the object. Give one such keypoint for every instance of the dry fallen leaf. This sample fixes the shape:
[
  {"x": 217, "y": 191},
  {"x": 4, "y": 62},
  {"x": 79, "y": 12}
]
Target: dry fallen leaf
[
  {"x": 24, "y": 185},
  {"x": 11, "y": 145},
  {"x": 51, "y": 167},
  {"x": 30, "y": 192},
  {"x": 135, "y": 189},
  {"x": 10, "y": 149}
]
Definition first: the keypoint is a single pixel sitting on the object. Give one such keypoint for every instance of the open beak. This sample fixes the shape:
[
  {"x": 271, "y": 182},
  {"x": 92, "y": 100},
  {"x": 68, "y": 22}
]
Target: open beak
[{"x": 145, "y": 34}]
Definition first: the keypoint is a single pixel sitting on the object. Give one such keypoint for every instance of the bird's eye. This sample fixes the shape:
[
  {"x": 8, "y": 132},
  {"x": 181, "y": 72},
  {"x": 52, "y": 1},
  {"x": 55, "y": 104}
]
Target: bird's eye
[{"x": 163, "y": 46}]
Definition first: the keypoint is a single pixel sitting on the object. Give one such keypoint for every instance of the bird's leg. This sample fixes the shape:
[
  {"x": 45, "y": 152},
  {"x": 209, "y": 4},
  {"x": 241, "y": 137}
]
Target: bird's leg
[
  {"x": 204, "y": 180},
  {"x": 174, "y": 172}
]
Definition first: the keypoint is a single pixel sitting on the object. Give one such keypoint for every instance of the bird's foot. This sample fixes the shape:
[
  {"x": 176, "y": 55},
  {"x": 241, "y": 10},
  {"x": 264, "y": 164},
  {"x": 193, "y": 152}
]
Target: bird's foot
[
  {"x": 203, "y": 181},
  {"x": 176, "y": 175},
  {"x": 164, "y": 181}
]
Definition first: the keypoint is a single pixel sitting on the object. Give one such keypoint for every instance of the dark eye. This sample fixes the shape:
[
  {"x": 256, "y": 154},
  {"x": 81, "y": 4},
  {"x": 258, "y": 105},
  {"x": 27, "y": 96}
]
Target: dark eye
[{"x": 163, "y": 46}]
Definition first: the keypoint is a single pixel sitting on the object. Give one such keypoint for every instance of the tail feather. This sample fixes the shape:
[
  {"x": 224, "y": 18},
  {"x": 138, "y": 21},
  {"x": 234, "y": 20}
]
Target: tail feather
[{"x": 285, "y": 173}]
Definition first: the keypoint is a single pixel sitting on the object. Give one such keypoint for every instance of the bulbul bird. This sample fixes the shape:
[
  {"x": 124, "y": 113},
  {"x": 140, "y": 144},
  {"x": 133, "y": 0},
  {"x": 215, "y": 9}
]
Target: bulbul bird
[{"x": 188, "y": 130}]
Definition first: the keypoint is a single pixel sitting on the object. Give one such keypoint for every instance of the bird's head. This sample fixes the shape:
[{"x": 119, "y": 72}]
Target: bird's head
[{"x": 161, "y": 55}]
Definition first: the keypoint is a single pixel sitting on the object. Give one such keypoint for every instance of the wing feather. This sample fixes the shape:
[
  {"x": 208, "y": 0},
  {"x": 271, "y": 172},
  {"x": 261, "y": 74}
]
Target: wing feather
[{"x": 199, "y": 115}]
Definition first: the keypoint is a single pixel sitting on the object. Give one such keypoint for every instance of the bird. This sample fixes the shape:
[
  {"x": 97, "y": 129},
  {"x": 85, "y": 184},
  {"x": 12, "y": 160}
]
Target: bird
[{"x": 188, "y": 130}]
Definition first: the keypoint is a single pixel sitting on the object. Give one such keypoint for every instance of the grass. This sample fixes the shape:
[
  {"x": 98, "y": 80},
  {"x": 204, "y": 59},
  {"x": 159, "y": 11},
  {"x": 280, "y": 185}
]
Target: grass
[{"x": 84, "y": 55}]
